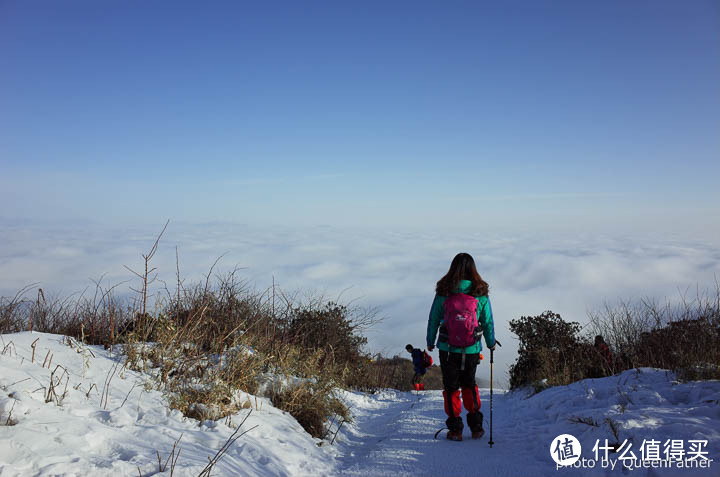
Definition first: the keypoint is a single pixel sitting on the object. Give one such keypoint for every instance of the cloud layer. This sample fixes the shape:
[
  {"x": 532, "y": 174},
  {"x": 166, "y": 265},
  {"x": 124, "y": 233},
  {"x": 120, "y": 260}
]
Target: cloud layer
[{"x": 392, "y": 270}]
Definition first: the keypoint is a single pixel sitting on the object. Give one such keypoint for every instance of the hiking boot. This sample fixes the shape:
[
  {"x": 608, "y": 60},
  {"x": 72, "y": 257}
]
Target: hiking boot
[
  {"x": 454, "y": 435},
  {"x": 475, "y": 421}
]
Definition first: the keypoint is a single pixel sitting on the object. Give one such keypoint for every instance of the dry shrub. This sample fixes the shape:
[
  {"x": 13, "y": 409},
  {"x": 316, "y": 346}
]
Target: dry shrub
[
  {"x": 372, "y": 375},
  {"x": 212, "y": 316},
  {"x": 311, "y": 400},
  {"x": 14, "y": 312},
  {"x": 311, "y": 404},
  {"x": 224, "y": 337},
  {"x": 379, "y": 373},
  {"x": 205, "y": 402},
  {"x": 242, "y": 371},
  {"x": 683, "y": 337},
  {"x": 94, "y": 319},
  {"x": 433, "y": 378},
  {"x": 329, "y": 326}
]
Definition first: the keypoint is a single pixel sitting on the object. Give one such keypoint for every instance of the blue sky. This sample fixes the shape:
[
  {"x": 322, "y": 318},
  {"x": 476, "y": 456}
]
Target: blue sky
[
  {"x": 360, "y": 112},
  {"x": 571, "y": 147}
]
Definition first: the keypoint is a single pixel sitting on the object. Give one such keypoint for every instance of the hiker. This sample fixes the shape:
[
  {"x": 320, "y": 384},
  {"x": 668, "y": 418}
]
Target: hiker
[
  {"x": 604, "y": 351},
  {"x": 461, "y": 311},
  {"x": 419, "y": 365}
]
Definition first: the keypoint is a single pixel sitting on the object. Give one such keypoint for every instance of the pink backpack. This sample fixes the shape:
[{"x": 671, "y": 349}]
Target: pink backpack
[{"x": 461, "y": 319}]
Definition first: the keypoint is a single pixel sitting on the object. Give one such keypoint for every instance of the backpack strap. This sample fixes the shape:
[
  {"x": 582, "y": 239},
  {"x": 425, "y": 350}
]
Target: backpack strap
[
  {"x": 479, "y": 331},
  {"x": 443, "y": 337},
  {"x": 476, "y": 336}
]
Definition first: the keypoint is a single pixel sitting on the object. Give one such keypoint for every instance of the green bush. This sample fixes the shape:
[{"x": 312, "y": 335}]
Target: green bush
[{"x": 551, "y": 352}]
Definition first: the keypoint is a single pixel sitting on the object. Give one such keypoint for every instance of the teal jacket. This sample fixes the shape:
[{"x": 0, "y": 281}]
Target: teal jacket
[{"x": 485, "y": 320}]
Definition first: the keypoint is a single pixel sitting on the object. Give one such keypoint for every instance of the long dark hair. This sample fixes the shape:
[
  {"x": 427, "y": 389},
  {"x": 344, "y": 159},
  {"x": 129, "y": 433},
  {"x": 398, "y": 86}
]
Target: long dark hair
[{"x": 462, "y": 268}]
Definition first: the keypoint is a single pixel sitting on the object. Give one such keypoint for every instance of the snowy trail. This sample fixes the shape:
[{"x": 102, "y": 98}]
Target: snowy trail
[
  {"x": 393, "y": 431},
  {"x": 397, "y": 439}
]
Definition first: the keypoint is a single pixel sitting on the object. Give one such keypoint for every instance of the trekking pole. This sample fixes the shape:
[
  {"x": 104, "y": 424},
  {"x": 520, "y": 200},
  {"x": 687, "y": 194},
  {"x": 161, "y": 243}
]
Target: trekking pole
[{"x": 492, "y": 360}]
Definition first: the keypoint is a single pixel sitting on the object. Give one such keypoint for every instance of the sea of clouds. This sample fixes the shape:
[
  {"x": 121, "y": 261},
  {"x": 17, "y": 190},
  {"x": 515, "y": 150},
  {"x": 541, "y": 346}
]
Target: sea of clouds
[{"x": 395, "y": 271}]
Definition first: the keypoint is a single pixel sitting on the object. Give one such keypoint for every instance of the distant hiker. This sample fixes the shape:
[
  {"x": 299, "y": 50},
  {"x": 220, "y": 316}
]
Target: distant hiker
[
  {"x": 461, "y": 310},
  {"x": 604, "y": 351},
  {"x": 419, "y": 365}
]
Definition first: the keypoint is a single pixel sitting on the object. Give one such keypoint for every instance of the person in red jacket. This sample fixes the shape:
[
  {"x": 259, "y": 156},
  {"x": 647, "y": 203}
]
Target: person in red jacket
[{"x": 461, "y": 311}]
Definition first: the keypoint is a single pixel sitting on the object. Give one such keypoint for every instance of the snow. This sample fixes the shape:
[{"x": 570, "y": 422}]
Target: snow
[
  {"x": 76, "y": 432},
  {"x": 83, "y": 436},
  {"x": 393, "y": 433}
]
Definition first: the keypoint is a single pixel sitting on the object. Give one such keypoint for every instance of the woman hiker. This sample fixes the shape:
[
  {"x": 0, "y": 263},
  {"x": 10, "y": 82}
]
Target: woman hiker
[{"x": 461, "y": 311}]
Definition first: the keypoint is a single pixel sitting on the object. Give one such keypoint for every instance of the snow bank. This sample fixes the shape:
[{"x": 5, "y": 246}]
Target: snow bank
[{"x": 101, "y": 419}]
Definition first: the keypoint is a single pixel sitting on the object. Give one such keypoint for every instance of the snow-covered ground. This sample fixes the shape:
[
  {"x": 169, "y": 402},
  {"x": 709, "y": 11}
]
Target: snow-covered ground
[
  {"x": 393, "y": 433},
  {"x": 75, "y": 430},
  {"x": 86, "y": 434}
]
